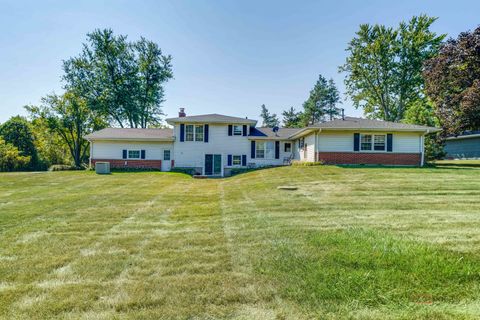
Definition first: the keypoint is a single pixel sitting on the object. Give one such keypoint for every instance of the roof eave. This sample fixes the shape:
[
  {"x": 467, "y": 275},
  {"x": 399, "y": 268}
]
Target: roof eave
[{"x": 130, "y": 139}]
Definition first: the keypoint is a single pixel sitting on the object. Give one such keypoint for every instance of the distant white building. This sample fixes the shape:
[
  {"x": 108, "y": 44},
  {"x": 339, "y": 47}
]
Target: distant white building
[{"x": 214, "y": 144}]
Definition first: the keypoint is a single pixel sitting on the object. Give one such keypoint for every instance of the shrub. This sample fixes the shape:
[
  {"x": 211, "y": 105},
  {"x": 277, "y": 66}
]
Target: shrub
[
  {"x": 189, "y": 171},
  {"x": 64, "y": 167},
  {"x": 10, "y": 157},
  {"x": 297, "y": 163}
]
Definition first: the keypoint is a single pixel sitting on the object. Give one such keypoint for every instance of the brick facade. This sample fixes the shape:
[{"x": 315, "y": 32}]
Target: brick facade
[
  {"x": 129, "y": 163},
  {"x": 406, "y": 159}
]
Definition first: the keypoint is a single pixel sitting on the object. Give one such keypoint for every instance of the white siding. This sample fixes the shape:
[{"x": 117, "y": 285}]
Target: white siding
[
  {"x": 192, "y": 153},
  {"x": 342, "y": 141},
  {"x": 308, "y": 152},
  {"x": 113, "y": 149},
  {"x": 407, "y": 142},
  {"x": 335, "y": 141}
]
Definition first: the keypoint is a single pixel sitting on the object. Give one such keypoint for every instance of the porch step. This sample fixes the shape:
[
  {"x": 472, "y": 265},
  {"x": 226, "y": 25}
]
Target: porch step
[{"x": 200, "y": 177}]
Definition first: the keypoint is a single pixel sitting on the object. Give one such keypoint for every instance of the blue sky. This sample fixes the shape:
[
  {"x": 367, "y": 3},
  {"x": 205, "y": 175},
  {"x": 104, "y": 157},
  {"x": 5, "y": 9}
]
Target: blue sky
[{"x": 228, "y": 56}]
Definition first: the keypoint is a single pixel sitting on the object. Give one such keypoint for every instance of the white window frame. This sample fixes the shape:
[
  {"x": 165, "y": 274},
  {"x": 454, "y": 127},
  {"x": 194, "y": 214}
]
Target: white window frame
[
  {"x": 237, "y": 130},
  {"x": 134, "y": 150},
  {"x": 187, "y": 133},
  {"x": 372, "y": 142},
  {"x": 239, "y": 164},
  {"x": 195, "y": 136},
  {"x": 265, "y": 149},
  {"x": 285, "y": 146}
]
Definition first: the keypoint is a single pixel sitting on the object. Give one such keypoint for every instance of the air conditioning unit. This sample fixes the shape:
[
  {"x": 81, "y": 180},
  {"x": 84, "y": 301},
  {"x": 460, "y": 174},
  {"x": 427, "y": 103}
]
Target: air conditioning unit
[{"x": 102, "y": 167}]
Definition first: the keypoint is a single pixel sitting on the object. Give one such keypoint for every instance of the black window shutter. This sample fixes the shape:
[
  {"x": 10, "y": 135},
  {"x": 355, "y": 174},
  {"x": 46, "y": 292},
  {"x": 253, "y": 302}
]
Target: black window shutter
[
  {"x": 182, "y": 132},
  {"x": 229, "y": 129},
  {"x": 356, "y": 142},
  {"x": 124, "y": 154},
  {"x": 244, "y": 130},
  {"x": 389, "y": 142},
  {"x": 252, "y": 150},
  {"x": 142, "y": 154},
  {"x": 205, "y": 133},
  {"x": 244, "y": 160},
  {"x": 277, "y": 149},
  {"x": 229, "y": 160}
]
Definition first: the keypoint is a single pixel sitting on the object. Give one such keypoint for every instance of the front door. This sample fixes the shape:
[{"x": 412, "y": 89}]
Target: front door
[
  {"x": 213, "y": 164},
  {"x": 167, "y": 160}
]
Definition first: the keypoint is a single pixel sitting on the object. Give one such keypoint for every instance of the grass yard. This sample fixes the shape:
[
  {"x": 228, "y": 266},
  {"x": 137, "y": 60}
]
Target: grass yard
[{"x": 356, "y": 243}]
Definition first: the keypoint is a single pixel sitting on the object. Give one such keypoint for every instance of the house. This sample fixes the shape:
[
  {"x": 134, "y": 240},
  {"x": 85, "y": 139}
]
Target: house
[
  {"x": 214, "y": 144},
  {"x": 464, "y": 146}
]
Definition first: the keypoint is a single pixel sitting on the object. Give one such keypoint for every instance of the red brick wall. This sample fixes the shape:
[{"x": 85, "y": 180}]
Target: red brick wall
[
  {"x": 410, "y": 159},
  {"x": 128, "y": 163}
]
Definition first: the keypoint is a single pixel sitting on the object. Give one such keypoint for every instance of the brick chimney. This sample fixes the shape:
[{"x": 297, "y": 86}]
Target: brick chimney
[{"x": 182, "y": 113}]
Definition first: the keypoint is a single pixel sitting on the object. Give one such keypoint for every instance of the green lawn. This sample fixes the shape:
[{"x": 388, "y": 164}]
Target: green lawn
[{"x": 356, "y": 243}]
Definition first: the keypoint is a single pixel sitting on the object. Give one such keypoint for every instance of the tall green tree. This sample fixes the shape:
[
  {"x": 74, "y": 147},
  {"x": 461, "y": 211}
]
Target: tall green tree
[
  {"x": 69, "y": 116},
  {"x": 453, "y": 83},
  {"x": 119, "y": 79},
  {"x": 269, "y": 120},
  {"x": 384, "y": 66},
  {"x": 314, "y": 107},
  {"x": 332, "y": 99},
  {"x": 51, "y": 147},
  {"x": 18, "y": 132},
  {"x": 292, "y": 118}
]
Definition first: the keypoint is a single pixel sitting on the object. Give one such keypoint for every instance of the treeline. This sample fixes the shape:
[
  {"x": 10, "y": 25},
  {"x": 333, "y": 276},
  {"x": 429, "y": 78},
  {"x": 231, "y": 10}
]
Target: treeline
[
  {"x": 403, "y": 74},
  {"x": 112, "y": 82}
]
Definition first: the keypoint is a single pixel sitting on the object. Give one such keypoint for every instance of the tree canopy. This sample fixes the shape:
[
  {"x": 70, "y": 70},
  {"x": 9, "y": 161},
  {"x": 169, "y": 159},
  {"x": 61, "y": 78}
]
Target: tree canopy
[
  {"x": 18, "y": 132},
  {"x": 120, "y": 80},
  {"x": 292, "y": 118},
  {"x": 321, "y": 102},
  {"x": 69, "y": 117},
  {"x": 384, "y": 66},
  {"x": 453, "y": 83},
  {"x": 269, "y": 120}
]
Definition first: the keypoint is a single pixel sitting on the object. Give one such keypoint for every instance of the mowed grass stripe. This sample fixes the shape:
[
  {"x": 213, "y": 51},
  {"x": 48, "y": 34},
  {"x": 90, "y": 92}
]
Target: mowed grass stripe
[{"x": 156, "y": 245}]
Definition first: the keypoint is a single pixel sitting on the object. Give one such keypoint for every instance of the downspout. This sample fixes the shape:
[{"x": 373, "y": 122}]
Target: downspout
[
  {"x": 90, "y": 157},
  {"x": 422, "y": 139}
]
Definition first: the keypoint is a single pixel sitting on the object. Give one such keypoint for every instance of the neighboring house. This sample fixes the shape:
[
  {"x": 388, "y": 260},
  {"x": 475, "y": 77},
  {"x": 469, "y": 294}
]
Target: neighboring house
[
  {"x": 215, "y": 144},
  {"x": 465, "y": 146}
]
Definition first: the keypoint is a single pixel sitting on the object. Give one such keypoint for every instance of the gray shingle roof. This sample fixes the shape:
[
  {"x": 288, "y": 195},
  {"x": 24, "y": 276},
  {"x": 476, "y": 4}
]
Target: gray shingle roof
[
  {"x": 267, "y": 133},
  {"x": 211, "y": 118},
  {"x": 131, "y": 134},
  {"x": 360, "y": 123}
]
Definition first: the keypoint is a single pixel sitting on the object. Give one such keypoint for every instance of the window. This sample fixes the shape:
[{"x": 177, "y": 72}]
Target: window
[
  {"x": 133, "y": 154},
  {"x": 265, "y": 150},
  {"x": 237, "y": 160},
  {"x": 194, "y": 132},
  {"x": 237, "y": 130},
  {"x": 287, "y": 147},
  {"x": 366, "y": 142},
  {"x": 260, "y": 150},
  {"x": 372, "y": 142},
  {"x": 189, "y": 132},
  {"x": 379, "y": 143},
  {"x": 199, "y": 133},
  {"x": 166, "y": 154}
]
